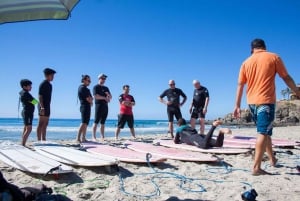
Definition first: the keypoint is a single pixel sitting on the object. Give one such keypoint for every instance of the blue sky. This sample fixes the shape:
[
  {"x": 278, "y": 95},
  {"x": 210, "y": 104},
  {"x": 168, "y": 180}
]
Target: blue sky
[{"x": 144, "y": 43}]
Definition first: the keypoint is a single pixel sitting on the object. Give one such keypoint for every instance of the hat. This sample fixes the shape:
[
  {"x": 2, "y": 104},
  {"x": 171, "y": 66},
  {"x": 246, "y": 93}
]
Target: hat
[
  {"x": 102, "y": 75},
  {"x": 25, "y": 82},
  {"x": 196, "y": 81},
  {"x": 49, "y": 71}
]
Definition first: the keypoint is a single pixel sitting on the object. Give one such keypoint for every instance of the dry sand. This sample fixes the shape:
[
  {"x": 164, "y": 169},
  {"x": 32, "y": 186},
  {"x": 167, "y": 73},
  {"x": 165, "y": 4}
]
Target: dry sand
[{"x": 215, "y": 182}]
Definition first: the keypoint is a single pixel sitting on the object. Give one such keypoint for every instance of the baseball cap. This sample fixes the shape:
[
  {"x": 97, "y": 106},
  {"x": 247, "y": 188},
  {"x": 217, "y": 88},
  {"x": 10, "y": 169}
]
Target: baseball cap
[
  {"x": 49, "y": 71},
  {"x": 102, "y": 75},
  {"x": 196, "y": 81}
]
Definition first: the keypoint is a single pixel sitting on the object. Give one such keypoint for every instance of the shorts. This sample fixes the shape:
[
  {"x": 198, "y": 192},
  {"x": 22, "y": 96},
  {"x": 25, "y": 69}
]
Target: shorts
[
  {"x": 173, "y": 111},
  {"x": 27, "y": 118},
  {"x": 123, "y": 118},
  {"x": 263, "y": 116},
  {"x": 101, "y": 112},
  {"x": 197, "y": 112},
  {"x": 85, "y": 114},
  {"x": 46, "y": 111}
]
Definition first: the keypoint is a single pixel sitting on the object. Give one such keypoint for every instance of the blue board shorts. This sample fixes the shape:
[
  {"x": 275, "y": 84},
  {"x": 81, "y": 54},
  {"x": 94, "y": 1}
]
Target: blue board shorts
[{"x": 263, "y": 115}]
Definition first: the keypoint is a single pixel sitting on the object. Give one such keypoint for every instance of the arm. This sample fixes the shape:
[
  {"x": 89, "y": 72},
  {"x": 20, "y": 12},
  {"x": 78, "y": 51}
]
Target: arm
[
  {"x": 291, "y": 84},
  {"x": 206, "y": 105},
  {"x": 239, "y": 94},
  {"x": 183, "y": 101}
]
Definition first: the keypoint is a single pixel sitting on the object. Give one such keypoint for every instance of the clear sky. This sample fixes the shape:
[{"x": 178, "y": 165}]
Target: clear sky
[{"x": 144, "y": 43}]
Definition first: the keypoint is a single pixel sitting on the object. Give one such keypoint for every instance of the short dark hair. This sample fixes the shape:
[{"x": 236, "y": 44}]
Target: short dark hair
[
  {"x": 126, "y": 86},
  {"x": 258, "y": 43},
  {"x": 84, "y": 77},
  {"x": 181, "y": 122}
]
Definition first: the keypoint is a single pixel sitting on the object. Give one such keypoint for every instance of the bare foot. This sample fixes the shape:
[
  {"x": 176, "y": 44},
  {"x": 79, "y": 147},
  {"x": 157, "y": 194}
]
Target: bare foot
[
  {"x": 273, "y": 162},
  {"x": 226, "y": 131},
  {"x": 217, "y": 123},
  {"x": 260, "y": 172}
]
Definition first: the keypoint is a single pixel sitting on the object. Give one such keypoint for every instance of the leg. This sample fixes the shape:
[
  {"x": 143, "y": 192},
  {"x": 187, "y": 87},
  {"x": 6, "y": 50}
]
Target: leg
[
  {"x": 94, "y": 130},
  {"x": 202, "y": 125},
  {"x": 102, "y": 128},
  {"x": 117, "y": 133},
  {"x": 79, "y": 132},
  {"x": 193, "y": 123},
  {"x": 132, "y": 132},
  {"x": 171, "y": 128},
  {"x": 84, "y": 128},
  {"x": 260, "y": 147},
  {"x": 27, "y": 130},
  {"x": 44, "y": 130},
  {"x": 269, "y": 151},
  {"x": 130, "y": 122}
]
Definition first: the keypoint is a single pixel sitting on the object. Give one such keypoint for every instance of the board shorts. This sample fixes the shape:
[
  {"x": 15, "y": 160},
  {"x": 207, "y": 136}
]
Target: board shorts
[
  {"x": 263, "y": 115},
  {"x": 197, "y": 113},
  {"x": 173, "y": 111},
  {"x": 101, "y": 112},
  {"x": 125, "y": 118},
  {"x": 85, "y": 114},
  {"x": 46, "y": 111},
  {"x": 27, "y": 118}
]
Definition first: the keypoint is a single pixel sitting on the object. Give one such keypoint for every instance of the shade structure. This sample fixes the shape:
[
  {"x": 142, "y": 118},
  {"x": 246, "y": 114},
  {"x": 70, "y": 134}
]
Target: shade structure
[{"x": 29, "y": 10}]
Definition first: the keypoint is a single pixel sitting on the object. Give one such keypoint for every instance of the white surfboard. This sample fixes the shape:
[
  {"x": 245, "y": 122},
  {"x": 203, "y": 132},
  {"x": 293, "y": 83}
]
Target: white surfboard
[
  {"x": 214, "y": 150},
  {"x": 72, "y": 156},
  {"x": 27, "y": 160}
]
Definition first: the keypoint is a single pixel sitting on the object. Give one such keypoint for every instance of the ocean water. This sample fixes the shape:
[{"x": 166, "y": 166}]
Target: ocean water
[{"x": 66, "y": 129}]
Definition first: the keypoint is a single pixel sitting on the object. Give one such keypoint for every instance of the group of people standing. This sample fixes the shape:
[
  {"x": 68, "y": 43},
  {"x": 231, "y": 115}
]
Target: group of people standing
[
  {"x": 257, "y": 72},
  {"x": 102, "y": 96}
]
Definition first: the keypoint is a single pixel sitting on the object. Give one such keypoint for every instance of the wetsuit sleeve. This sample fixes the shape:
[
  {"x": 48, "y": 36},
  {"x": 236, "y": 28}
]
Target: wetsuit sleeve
[
  {"x": 207, "y": 138},
  {"x": 182, "y": 93},
  {"x": 121, "y": 98},
  {"x": 132, "y": 99},
  {"x": 206, "y": 93},
  {"x": 95, "y": 90},
  {"x": 163, "y": 94}
]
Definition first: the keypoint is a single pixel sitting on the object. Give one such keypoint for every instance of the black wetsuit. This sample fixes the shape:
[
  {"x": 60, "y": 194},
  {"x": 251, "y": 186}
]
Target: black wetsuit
[
  {"x": 101, "y": 106},
  {"x": 199, "y": 98},
  {"x": 173, "y": 95},
  {"x": 188, "y": 135},
  {"x": 85, "y": 106},
  {"x": 28, "y": 107},
  {"x": 45, "y": 90}
]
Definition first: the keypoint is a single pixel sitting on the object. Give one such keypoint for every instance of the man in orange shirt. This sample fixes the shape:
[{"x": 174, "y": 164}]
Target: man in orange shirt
[{"x": 258, "y": 73}]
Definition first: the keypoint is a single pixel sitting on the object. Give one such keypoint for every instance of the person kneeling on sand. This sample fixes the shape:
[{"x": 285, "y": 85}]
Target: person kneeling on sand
[{"x": 188, "y": 135}]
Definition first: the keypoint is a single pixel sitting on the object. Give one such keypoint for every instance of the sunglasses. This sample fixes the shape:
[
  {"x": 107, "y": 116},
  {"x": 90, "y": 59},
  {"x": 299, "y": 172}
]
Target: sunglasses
[{"x": 172, "y": 84}]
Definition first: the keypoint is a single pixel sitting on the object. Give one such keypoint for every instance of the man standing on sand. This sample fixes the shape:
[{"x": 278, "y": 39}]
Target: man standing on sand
[
  {"x": 45, "y": 92},
  {"x": 199, "y": 105},
  {"x": 173, "y": 103},
  {"x": 102, "y": 97},
  {"x": 126, "y": 115},
  {"x": 258, "y": 73}
]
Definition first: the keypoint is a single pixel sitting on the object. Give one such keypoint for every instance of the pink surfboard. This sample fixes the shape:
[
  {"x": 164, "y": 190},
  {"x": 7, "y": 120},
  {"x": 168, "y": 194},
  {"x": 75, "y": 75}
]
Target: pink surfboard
[
  {"x": 215, "y": 150},
  {"x": 170, "y": 153},
  {"x": 250, "y": 140},
  {"x": 121, "y": 154}
]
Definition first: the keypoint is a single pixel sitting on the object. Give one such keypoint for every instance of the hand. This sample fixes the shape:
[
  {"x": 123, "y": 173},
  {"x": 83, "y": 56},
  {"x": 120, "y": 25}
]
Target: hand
[
  {"x": 42, "y": 112},
  {"x": 237, "y": 112},
  {"x": 204, "y": 111},
  {"x": 169, "y": 103}
]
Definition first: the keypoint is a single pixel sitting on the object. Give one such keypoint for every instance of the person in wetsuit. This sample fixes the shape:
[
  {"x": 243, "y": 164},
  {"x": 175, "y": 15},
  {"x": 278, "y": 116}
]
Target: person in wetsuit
[
  {"x": 173, "y": 103},
  {"x": 187, "y": 134},
  {"x": 28, "y": 103},
  {"x": 102, "y": 97},
  {"x": 198, "y": 108},
  {"x": 86, "y": 101},
  {"x": 45, "y": 93}
]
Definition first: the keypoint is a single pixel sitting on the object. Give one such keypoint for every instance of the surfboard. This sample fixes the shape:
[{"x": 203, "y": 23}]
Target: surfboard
[
  {"x": 236, "y": 145},
  {"x": 214, "y": 150},
  {"x": 251, "y": 140},
  {"x": 72, "y": 156},
  {"x": 122, "y": 154},
  {"x": 27, "y": 160},
  {"x": 170, "y": 153}
]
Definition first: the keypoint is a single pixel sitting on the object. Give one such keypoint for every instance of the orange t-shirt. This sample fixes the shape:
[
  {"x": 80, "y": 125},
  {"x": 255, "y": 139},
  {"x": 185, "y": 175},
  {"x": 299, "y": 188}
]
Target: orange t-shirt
[{"x": 258, "y": 72}]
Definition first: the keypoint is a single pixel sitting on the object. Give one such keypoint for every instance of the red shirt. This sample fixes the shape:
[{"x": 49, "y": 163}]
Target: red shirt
[{"x": 124, "y": 109}]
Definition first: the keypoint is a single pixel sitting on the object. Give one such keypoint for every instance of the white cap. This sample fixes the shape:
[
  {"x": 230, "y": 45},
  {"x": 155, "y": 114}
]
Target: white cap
[
  {"x": 196, "y": 81},
  {"x": 102, "y": 75}
]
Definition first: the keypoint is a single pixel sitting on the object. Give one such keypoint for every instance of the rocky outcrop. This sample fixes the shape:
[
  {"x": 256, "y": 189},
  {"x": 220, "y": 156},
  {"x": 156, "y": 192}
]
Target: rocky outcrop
[{"x": 287, "y": 113}]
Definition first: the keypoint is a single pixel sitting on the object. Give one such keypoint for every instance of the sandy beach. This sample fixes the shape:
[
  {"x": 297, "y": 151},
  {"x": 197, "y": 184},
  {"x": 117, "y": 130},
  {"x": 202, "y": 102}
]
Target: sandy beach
[{"x": 178, "y": 180}]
